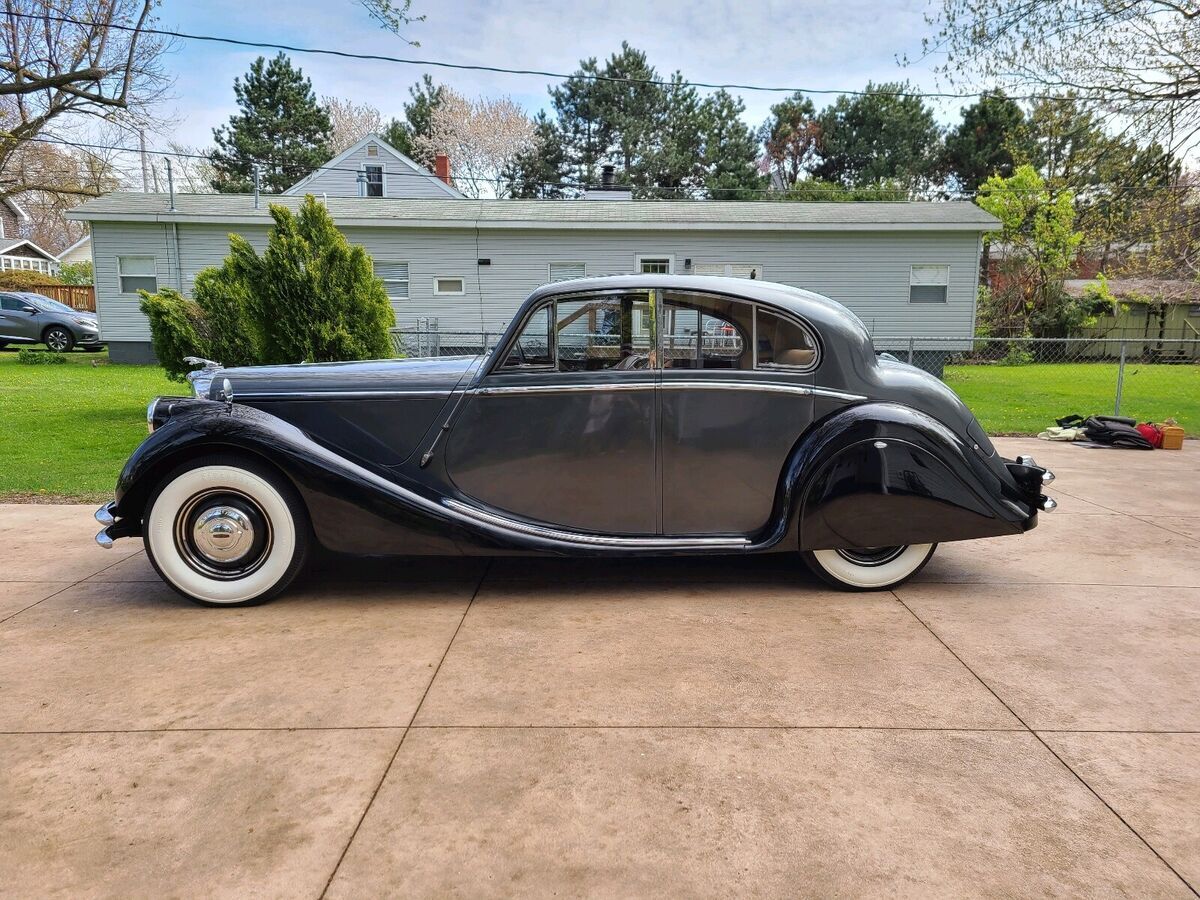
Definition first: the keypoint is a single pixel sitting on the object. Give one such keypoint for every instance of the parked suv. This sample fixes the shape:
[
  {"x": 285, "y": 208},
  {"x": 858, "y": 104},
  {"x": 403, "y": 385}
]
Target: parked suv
[{"x": 27, "y": 318}]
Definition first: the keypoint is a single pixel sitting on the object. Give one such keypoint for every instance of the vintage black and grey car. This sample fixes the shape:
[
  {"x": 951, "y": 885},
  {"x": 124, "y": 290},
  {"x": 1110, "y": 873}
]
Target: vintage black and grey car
[{"x": 623, "y": 416}]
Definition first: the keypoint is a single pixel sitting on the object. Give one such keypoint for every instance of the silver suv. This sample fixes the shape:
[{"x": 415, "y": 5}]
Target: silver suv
[{"x": 27, "y": 318}]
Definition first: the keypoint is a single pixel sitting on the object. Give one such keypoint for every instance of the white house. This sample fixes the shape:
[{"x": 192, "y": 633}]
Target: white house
[
  {"x": 459, "y": 265},
  {"x": 17, "y": 252},
  {"x": 80, "y": 251}
]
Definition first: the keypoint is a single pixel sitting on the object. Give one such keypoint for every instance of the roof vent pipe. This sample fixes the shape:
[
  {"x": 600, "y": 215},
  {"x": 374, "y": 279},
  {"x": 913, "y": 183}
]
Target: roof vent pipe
[{"x": 170, "y": 186}]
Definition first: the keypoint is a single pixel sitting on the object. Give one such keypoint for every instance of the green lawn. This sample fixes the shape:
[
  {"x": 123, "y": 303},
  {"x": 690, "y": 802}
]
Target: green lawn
[
  {"x": 65, "y": 431},
  {"x": 1025, "y": 399}
]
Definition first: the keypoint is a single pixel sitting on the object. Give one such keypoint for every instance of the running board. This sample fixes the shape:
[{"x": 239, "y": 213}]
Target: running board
[{"x": 592, "y": 540}]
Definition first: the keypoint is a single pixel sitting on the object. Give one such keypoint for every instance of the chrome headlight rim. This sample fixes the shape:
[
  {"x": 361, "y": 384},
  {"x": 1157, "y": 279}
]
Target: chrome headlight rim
[{"x": 151, "y": 412}]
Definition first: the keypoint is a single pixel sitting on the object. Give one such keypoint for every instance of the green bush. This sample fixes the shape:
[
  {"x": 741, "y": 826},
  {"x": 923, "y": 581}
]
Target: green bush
[
  {"x": 311, "y": 295},
  {"x": 76, "y": 273},
  {"x": 24, "y": 279},
  {"x": 230, "y": 335},
  {"x": 1018, "y": 355},
  {"x": 176, "y": 328},
  {"x": 28, "y": 357}
]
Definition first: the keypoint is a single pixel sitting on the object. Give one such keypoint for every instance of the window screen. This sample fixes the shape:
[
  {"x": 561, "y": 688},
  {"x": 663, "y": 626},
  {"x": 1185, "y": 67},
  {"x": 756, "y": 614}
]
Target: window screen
[
  {"x": 928, "y": 284},
  {"x": 782, "y": 343},
  {"x": 394, "y": 276},
  {"x": 565, "y": 271},
  {"x": 137, "y": 273}
]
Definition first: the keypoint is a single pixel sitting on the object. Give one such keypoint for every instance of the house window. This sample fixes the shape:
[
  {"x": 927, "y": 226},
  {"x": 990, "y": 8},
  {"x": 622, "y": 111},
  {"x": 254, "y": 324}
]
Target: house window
[
  {"x": 1194, "y": 309},
  {"x": 394, "y": 276},
  {"x": 928, "y": 284},
  {"x": 373, "y": 184},
  {"x": 137, "y": 273},
  {"x": 372, "y": 149},
  {"x": 729, "y": 270},
  {"x": 655, "y": 264},
  {"x": 449, "y": 287},
  {"x": 565, "y": 271}
]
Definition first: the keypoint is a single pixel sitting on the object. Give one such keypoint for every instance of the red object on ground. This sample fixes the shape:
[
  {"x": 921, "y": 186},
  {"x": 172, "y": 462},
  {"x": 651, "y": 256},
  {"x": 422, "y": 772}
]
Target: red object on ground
[{"x": 1152, "y": 433}]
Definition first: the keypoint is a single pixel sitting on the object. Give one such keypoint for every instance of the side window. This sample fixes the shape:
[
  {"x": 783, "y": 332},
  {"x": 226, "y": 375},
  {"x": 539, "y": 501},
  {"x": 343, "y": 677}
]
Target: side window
[
  {"x": 782, "y": 343},
  {"x": 532, "y": 348},
  {"x": 927, "y": 284},
  {"x": 11, "y": 303},
  {"x": 609, "y": 332},
  {"x": 137, "y": 273},
  {"x": 702, "y": 332},
  {"x": 588, "y": 334}
]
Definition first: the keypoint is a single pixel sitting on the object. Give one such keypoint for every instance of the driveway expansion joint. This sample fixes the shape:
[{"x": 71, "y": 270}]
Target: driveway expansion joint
[{"x": 1050, "y": 749}]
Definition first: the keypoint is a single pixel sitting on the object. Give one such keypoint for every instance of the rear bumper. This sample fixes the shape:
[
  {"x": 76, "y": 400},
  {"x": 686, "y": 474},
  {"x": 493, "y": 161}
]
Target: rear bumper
[{"x": 1031, "y": 479}]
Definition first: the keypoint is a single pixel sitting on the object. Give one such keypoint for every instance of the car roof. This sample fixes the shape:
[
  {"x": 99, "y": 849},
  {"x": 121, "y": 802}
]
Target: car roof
[{"x": 821, "y": 311}]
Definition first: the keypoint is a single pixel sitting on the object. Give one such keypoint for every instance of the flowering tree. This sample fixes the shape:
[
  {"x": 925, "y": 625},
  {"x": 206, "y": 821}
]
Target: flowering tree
[
  {"x": 483, "y": 138},
  {"x": 351, "y": 122}
]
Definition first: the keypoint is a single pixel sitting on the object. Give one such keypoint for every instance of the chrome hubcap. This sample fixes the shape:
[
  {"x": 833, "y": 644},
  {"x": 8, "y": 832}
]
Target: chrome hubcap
[
  {"x": 872, "y": 556},
  {"x": 223, "y": 534}
]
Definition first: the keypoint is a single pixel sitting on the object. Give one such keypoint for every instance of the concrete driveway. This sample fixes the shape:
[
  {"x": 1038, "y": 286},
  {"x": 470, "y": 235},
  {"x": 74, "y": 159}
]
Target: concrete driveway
[{"x": 1022, "y": 720}]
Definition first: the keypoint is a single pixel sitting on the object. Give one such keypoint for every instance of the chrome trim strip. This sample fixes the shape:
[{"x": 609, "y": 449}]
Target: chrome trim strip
[
  {"x": 631, "y": 543},
  {"x": 340, "y": 395},
  {"x": 103, "y": 539},
  {"x": 839, "y": 395},
  {"x": 564, "y": 388},
  {"x": 151, "y": 409},
  {"x": 803, "y": 390}
]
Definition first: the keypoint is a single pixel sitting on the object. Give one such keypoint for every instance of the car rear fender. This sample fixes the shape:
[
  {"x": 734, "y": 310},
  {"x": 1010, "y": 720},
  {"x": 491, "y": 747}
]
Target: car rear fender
[{"x": 882, "y": 474}]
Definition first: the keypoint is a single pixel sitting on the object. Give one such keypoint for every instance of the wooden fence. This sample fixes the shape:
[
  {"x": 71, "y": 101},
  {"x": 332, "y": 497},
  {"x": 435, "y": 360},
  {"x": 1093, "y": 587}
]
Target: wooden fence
[{"x": 77, "y": 296}]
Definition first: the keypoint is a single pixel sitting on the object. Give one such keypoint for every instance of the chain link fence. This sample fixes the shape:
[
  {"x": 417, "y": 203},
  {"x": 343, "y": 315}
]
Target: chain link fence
[{"x": 1014, "y": 385}]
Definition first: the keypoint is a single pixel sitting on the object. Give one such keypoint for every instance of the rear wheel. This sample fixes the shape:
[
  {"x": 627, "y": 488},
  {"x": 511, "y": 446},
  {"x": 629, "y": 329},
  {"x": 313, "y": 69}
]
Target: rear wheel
[
  {"x": 225, "y": 531},
  {"x": 58, "y": 339},
  {"x": 869, "y": 568}
]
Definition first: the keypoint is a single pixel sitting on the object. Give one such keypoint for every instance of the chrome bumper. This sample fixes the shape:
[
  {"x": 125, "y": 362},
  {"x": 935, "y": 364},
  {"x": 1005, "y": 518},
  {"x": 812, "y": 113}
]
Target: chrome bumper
[
  {"x": 105, "y": 517},
  {"x": 1032, "y": 478}
]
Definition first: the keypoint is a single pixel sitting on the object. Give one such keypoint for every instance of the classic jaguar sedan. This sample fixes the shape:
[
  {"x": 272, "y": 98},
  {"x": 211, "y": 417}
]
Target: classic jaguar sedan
[{"x": 620, "y": 416}]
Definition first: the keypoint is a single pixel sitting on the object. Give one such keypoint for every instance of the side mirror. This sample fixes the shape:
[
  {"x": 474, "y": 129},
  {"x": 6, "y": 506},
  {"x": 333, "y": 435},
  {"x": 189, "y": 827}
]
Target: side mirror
[{"x": 32, "y": 310}]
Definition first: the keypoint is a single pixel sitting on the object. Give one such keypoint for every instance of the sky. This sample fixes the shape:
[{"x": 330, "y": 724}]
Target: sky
[{"x": 801, "y": 43}]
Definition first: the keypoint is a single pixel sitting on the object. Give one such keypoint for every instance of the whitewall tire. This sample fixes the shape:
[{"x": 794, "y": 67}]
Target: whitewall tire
[
  {"x": 871, "y": 569},
  {"x": 225, "y": 531}
]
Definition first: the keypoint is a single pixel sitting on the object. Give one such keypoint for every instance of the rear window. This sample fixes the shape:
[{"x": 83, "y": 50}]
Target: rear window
[{"x": 782, "y": 343}]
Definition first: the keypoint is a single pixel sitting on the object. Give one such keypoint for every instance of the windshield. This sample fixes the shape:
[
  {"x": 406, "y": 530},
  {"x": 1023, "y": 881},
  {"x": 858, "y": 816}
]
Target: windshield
[{"x": 45, "y": 304}]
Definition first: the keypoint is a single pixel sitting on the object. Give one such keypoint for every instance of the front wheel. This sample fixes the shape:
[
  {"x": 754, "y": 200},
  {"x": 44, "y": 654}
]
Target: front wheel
[
  {"x": 869, "y": 568},
  {"x": 225, "y": 531},
  {"x": 59, "y": 339}
]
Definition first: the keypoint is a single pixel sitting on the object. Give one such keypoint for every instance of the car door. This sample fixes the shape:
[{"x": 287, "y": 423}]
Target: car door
[
  {"x": 736, "y": 393},
  {"x": 562, "y": 428},
  {"x": 16, "y": 322}
]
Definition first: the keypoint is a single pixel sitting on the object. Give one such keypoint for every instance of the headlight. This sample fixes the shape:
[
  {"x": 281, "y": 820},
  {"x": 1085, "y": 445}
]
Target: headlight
[{"x": 80, "y": 320}]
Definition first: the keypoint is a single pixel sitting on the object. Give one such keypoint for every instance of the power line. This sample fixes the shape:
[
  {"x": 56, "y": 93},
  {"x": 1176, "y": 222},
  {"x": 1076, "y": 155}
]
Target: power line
[{"x": 503, "y": 70}]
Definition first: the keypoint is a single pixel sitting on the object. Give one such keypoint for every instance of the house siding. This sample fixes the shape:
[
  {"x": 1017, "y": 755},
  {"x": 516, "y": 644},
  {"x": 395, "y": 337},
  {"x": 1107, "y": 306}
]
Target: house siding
[
  {"x": 400, "y": 179},
  {"x": 867, "y": 271}
]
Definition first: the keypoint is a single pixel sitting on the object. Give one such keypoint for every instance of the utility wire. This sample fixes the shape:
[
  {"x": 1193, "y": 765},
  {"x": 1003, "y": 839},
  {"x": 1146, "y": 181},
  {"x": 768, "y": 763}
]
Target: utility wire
[{"x": 503, "y": 70}]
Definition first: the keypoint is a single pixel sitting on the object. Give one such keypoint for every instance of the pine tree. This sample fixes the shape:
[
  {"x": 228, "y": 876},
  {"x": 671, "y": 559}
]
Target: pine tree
[
  {"x": 730, "y": 150},
  {"x": 539, "y": 173},
  {"x": 281, "y": 127},
  {"x": 990, "y": 140},
  {"x": 418, "y": 119}
]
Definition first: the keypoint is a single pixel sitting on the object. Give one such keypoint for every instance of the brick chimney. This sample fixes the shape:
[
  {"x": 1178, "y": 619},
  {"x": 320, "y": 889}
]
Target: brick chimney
[{"x": 441, "y": 168}]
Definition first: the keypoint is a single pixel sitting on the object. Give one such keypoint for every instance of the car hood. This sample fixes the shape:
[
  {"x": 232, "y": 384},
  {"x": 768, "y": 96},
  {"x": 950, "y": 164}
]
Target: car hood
[{"x": 438, "y": 374}]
